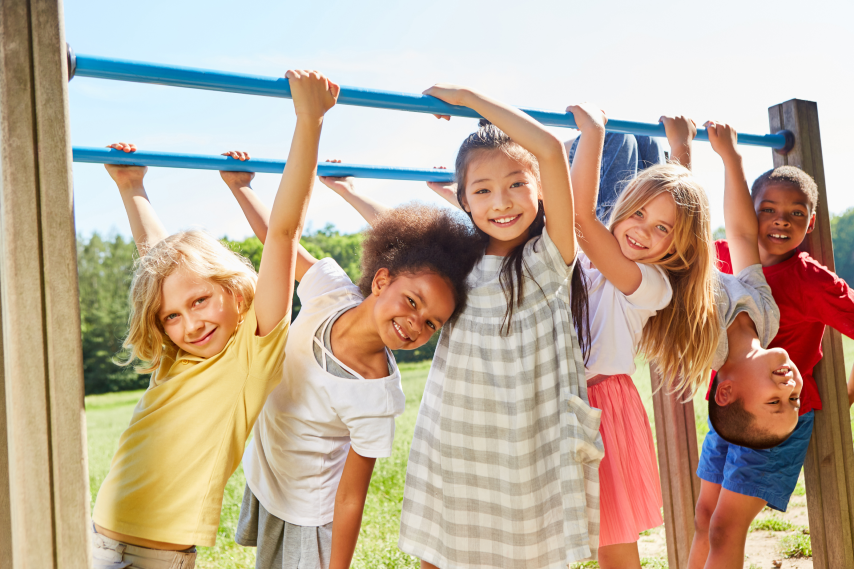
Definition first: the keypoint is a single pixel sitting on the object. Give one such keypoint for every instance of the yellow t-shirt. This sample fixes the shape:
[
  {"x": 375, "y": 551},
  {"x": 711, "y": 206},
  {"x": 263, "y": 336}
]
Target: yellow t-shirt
[{"x": 186, "y": 438}]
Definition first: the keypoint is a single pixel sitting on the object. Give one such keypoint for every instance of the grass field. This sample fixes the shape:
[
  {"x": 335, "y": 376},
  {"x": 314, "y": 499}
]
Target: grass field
[{"x": 108, "y": 415}]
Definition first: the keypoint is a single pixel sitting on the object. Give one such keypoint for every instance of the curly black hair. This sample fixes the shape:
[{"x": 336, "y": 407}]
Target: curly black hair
[{"x": 418, "y": 237}]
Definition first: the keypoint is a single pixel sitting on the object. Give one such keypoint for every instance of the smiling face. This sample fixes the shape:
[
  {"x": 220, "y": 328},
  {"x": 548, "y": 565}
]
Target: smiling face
[
  {"x": 410, "y": 307},
  {"x": 647, "y": 234},
  {"x": 198, "y": 315},
  {"x": 785, "y": 220},
  {"x": 502, "y": 194},
  {"x": 769, "y": 385}
]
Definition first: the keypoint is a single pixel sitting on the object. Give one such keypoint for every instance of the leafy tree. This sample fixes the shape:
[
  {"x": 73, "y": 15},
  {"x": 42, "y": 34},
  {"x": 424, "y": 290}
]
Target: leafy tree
[
  {"x": 104, "y": 270},
  {"x": 842, "y": 230}
]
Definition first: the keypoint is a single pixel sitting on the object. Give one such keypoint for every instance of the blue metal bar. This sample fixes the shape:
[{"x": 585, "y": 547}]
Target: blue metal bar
[
  {"x": 205, "y": 162},
  {"x": 140, "y": 72}
]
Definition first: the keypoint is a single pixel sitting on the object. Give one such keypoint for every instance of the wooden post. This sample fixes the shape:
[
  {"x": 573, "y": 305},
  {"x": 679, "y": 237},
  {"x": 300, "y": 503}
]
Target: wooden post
[
  {"x": 829, "y": 466},
  {"x": 47, "y": 491},
  {"x": 676, "y": 438}
]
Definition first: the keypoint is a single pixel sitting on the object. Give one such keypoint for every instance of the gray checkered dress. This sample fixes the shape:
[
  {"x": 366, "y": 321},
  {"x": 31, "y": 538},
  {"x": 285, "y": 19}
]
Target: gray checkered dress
[{"x": 503, "y": 470}]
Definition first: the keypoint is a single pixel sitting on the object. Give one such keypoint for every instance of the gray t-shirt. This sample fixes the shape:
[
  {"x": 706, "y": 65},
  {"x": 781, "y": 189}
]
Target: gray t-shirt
[{"x": 746, "y": 292}]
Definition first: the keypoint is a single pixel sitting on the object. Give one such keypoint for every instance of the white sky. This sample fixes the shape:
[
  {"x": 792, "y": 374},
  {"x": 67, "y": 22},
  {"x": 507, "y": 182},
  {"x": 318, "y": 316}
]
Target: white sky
[{"x": 637, "y": 60}]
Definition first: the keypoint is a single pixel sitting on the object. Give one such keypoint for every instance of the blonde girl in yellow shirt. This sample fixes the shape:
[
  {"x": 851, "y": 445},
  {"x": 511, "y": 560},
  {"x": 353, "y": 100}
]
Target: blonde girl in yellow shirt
[{"x": 213, "y": 334}]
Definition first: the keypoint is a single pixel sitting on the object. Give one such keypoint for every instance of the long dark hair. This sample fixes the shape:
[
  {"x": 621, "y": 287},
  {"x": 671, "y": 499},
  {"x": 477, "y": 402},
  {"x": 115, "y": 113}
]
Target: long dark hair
[{"x": 489, "y": 138}]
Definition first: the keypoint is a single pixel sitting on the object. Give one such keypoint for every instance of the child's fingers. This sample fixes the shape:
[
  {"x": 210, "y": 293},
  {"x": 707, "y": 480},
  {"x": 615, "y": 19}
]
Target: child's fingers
[
  {"x": 334, "y": 161},
  {"x": 439, "y": 168},
  {"x": 446, "y": 117}
]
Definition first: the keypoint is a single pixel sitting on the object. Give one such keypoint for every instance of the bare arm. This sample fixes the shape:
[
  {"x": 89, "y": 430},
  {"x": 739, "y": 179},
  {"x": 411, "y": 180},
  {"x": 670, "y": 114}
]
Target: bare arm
[
  {"x": 313, "y": 95},
  {"x": 349, "y": 506},
  {"x": 599, "y": 244},
  {"x": 549, "y": 151},
  {"x": 144, "y": 223},
  {"x": 742, "y": 226},
  {"x": 445, "y": 190},
  {"x": 368, "y": 208},
  {"x": 257, "y": 213},
  {"x": 680, "y": 135}
]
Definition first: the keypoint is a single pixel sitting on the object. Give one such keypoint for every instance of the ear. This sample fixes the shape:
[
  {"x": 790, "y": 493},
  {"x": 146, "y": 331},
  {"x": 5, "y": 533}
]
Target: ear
[
  {"x": 812, "y": 223},
  {"x": 382, "y": 279},
  {"x": 725, "y": 393}
]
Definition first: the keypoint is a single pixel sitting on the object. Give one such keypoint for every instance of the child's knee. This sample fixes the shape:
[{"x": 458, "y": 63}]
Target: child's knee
[
  {"x": 724, "y": 533},
  {"x": 703, "y": 516}
]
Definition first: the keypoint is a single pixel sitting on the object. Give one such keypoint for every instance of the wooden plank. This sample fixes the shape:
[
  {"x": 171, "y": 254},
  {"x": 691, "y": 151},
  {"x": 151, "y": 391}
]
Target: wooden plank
[
  {"x": 5, "y": 507},
  {"x": 62, "y": 314},
  {"x": 48, "y": 484},
  {"x": 676, "y": 436},
  {"x": 829, "y": 466}
]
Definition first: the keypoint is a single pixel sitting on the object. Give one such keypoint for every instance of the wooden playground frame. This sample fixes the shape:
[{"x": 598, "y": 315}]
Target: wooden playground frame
[{"x": 44, "y": 484}]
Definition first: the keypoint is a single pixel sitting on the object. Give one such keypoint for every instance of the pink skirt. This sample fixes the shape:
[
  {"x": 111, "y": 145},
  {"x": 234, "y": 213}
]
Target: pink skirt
[{"x": 629, "y": 488}]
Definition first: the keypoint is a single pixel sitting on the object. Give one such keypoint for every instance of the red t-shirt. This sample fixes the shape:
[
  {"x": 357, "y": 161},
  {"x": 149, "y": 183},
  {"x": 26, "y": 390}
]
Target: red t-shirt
[{"x": 810, "y": 297}]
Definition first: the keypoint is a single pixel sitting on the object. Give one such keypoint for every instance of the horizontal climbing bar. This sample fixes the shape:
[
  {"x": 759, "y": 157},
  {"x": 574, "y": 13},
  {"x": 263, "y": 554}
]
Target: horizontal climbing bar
[
  {"x": 141, "y": 72},
  {"x": 206, "y": 162}
]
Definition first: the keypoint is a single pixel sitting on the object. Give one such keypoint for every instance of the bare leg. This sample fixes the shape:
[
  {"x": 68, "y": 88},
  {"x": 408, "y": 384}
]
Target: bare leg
[
  {"x": 619, "y": 556},
  {"x": 728, "y": 529},
  {"x": 426, "y": 565},
  {"x": 706, "y": 504}
]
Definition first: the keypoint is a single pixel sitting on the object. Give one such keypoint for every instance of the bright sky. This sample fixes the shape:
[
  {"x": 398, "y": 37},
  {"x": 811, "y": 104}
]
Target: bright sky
[{"x": 728, "y": 60}]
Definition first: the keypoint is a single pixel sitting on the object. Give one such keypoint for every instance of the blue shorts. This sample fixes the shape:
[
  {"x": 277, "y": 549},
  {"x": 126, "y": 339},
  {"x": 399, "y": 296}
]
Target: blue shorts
[{"x": 769, "y": 474}]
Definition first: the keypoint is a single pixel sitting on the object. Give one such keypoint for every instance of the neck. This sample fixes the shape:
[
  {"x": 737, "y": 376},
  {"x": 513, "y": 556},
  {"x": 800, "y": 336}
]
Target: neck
[
  {"x": 769, "y": 259},
  {"x": 501, "y": 248},
  {"x": 355, "y": 332},
  {"x": 741, "y": 337}
]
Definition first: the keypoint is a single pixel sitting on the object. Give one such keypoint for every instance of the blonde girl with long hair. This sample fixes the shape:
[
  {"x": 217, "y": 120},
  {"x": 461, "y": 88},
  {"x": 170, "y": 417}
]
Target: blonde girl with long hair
[
  {"x": 213, "y": 334},
  {"x": 650, "y": 277}
]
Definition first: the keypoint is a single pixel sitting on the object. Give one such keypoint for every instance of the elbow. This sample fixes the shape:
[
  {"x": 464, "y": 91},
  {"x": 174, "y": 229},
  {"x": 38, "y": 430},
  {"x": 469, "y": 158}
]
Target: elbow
[{"x": 552, "y": 148}]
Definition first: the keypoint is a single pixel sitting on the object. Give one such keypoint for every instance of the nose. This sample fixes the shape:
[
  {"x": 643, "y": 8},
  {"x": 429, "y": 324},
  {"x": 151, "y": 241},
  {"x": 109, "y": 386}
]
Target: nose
[
  {"x": 781, "y": 220},
  {"x": 416, "y": 323},
  {"x": 501, "y": 201},
  {"x": 192, "y": 325}
]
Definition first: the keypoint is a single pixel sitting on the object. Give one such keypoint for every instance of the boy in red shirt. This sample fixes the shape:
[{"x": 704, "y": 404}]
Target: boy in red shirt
[{"x": 737, "y": 482}]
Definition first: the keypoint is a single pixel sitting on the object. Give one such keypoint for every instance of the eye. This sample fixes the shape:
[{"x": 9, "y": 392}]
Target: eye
[
  {"x": 639, "y": 213},
  {"x": 170, "y": 317},
  {"x": 798, "y": 213},
  {"x": 775, "y": 402},
  {"x": 518, "y": 184},
  {"x": 199, "y": 301},
  {"x": 661, "y": 228},
  {"x": 431, "y": 325},
  {"x": 766, "y": 210},
  {"x": 482, "y": 191},
  {"x": 411, "y": 302}
]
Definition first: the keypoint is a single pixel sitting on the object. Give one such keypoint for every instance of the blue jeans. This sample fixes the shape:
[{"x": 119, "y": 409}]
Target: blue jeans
[{"x": 623, "y": 156}]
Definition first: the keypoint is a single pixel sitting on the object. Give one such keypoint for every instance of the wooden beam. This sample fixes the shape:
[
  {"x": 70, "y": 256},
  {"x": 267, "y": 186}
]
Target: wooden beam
[
  {"x": 829, "y": 466},
  {"x": 676, "y": 438},
  {"x": 46, "y": 445}
]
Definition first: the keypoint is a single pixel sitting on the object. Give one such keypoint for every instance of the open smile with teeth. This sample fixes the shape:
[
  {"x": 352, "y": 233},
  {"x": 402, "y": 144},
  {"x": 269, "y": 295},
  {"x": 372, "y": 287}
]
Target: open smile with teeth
[
  {"x": 784, "y": 371},
  {"x": 778, "y": 236},
  {"x": 400, "y": 333},
  {"x": 635, "y": 244},
  {"x": 505, "y": 221}
]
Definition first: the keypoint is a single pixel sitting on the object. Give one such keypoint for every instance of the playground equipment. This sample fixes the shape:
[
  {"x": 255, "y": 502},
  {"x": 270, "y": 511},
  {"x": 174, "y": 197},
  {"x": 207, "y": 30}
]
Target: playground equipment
[{"x": 44, "y": 494}]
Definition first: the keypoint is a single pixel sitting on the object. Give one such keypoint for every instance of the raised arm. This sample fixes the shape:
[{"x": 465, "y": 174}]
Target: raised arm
[
  {"x": 549, "y": 151},
  {"x": 256, "y": 212},
  {"x": 313, "y": 95},
  {"x": 349, "y": 507},
  {"x": 742, "y": 226},
  {"x": 680, "y": 131},
  {"x": 599, "y": 244},
  {"x": 445, "y": 190},
  {"x": 144, "y": 223},
  {"x": 368, "y": 208}
]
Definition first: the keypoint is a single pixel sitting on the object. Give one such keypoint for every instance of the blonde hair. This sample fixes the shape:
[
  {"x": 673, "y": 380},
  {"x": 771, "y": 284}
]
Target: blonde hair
[
  {"x": 196, "y": 252},
  {"x": 681, "y": 338}
]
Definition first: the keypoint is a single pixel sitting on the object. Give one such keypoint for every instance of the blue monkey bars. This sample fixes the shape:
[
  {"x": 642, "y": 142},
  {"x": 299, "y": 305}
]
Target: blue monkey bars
[
  {"x": 205, "y": 162},
  {"x": 141, "y": 72}
]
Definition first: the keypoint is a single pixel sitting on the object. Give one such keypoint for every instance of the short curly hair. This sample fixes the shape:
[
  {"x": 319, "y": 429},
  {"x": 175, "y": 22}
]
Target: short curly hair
[
  {"x": 417, "y": 237},
  {"x": 792, "y": 176},
  {"x": 736, "y": 425}
]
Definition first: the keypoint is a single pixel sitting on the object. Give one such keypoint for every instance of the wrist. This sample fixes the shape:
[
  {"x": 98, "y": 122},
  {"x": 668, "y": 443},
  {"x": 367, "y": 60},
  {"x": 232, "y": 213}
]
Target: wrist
[
  {"x": 732, "y": 159},
  {"x": 131, "y": 187}
]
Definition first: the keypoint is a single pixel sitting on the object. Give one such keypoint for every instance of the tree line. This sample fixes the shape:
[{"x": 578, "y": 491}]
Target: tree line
[{"x": 105, "y": 265}]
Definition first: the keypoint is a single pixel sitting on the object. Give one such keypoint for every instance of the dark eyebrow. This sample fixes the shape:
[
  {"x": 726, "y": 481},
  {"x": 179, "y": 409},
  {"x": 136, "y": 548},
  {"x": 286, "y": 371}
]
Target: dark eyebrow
[
  {"x": 482, "y": 180},
  {"x": 804, "y": 204},
  {"x": 514, "y": 173}
]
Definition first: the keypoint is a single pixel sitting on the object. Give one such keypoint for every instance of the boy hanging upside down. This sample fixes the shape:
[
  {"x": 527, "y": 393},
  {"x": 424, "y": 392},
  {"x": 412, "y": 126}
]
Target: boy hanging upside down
[{"x": 743, "y": 464}]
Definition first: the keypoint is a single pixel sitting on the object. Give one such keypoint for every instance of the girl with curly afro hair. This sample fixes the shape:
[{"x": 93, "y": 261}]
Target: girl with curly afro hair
[{"x": 341, "y": 387}]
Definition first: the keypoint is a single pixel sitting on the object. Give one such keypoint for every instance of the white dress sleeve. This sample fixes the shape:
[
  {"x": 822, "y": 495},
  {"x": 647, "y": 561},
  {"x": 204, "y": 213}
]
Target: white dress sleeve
[
  {"x": 322, "y": 278},
  {"x": 368, "y": 408},
  {"x": 654, "y": 292}
]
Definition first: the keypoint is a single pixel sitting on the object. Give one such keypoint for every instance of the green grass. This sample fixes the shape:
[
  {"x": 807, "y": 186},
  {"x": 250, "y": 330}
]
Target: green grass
[
  {"x": 796, "y": 545},
  {"x": 771, "y": 523}
]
